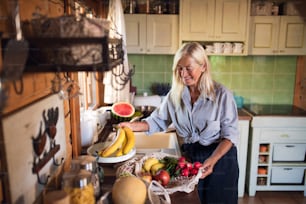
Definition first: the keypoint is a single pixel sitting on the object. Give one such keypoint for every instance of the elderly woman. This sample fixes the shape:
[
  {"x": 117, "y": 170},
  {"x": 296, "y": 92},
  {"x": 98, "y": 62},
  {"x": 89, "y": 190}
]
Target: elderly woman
[{"x": 204, "y": 114}]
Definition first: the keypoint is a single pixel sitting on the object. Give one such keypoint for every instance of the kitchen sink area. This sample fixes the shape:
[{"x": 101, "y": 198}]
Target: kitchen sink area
[
  {"x": 165, "y": 142},
  {"x": 157, "y": 142}
]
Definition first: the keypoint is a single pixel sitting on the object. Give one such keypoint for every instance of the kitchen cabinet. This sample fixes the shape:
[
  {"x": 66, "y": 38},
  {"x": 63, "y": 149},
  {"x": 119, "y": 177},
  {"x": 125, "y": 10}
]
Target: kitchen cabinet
[
  {"x": 151, "y": 34},
  {"x": 214, "y": 20},
  {"x": 242, "y": 149},
  {"x": 277, "y": 35},
  {"x": 277, "y": 154}
]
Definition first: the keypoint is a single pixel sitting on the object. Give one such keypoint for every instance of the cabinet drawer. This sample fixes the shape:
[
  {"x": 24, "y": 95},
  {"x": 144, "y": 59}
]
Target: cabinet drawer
[
  {"x": 289, "y": 152},
  {"x": 282, "y": 135},
  {"x": 287, "y": 175}
]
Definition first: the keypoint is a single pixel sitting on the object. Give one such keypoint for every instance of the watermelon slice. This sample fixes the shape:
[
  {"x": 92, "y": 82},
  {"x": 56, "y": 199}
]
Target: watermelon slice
[{"x": 122, "y": 111}]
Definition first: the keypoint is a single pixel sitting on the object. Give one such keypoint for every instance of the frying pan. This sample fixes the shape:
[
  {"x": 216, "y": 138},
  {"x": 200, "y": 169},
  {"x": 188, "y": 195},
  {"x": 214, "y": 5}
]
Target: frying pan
[{"x": 16, "y": 50}]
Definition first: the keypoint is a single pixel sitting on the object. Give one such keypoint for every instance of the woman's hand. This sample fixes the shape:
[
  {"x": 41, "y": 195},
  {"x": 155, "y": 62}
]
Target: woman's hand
[
  {"x": 209, "y": 163},
  {"x": 208, "y": 167},
  {"x": 135, "y": 126}
]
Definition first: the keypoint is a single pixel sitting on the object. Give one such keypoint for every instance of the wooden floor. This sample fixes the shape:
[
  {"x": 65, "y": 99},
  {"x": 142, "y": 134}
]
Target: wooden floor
[{"x": 271, "y": 197}]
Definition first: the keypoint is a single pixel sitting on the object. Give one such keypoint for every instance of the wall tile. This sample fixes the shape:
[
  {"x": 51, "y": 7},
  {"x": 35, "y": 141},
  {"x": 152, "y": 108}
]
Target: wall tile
[
  {"x": 263, "y": 64},
  {"x": 241, "y": 81},
  {"x": 262, "y": 81},
  {"x": 259, "y": 79}
]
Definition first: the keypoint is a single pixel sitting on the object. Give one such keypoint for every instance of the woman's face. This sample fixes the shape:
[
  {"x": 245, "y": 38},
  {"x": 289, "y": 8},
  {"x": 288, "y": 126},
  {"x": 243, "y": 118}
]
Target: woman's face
[{"x": 189, "y": 70}]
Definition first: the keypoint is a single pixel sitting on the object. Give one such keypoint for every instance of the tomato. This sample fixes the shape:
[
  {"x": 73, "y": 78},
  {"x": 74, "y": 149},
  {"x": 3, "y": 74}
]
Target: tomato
[
  {"x": 181, "y": 164},
  {"x": 189, "y": 165},
  {"x": 197, "y": 165},
  {"x": 182, "y": 159},
  {"x": 163, "y": 177},
  {"x": 194, "y": 171},
  {"x": 185, "y": 172}
]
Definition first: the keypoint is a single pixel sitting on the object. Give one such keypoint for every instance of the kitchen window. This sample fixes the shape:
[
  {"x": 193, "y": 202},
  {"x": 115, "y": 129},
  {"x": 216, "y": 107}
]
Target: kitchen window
[{"x": 91, "y": 87}]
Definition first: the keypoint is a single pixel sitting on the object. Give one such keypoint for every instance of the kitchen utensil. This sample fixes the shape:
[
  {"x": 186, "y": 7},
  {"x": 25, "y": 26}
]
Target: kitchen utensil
[{"x": 16, "y": 51}]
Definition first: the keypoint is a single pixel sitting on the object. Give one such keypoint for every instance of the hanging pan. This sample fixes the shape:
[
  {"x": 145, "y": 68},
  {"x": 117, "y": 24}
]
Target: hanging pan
[{"x": 16, "y": 50}]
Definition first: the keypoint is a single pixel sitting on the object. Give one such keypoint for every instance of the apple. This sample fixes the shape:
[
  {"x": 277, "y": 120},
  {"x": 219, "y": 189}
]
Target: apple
[
  {"x": 163, "y": 177},
  {"x": 147, "y": 177}
]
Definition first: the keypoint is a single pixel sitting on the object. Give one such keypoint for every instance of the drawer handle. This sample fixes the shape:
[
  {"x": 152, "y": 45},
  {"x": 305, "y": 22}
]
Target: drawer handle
[
  {"x": 284, "y": 135},
  {"x": 287, "y": 169},
  {"x": 290, "y": 146}
]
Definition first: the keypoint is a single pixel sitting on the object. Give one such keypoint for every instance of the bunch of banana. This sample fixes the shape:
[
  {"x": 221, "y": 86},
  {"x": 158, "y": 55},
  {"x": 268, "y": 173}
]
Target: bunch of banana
[
  {"x": 123, "y": 143},
  {"x": 152, "y": 165}
]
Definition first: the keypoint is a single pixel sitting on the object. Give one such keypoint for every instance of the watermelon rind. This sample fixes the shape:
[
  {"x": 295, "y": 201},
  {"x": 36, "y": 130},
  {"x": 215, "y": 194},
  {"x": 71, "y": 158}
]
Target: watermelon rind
[{"x": 122, "y": 111}]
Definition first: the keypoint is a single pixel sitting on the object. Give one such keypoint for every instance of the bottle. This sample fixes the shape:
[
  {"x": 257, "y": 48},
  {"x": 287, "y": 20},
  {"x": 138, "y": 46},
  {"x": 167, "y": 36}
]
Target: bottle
[{"x": 275, "y": 9}]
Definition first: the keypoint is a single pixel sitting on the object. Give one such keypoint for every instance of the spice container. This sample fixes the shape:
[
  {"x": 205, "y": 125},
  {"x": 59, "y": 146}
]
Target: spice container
[
  {"x": 262, "y": 170},
  {"x": 261, "y": 181},
  {"x": 263, "y": 148},
  {"x": 142, "y": 6}
]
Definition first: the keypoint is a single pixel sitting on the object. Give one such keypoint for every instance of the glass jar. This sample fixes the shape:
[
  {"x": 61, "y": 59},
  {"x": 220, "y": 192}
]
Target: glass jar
[
  {"x": 79, "y": 187},
  {"x": 173, "y": 7},
  {"x": 142, "y": 6},
  {"x": 90, "y": 164}
]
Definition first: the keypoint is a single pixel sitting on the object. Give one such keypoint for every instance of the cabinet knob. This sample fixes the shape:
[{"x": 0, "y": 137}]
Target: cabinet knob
[
  {"x": 274, "y": 51},
  {"x": 282, "y": 51}
]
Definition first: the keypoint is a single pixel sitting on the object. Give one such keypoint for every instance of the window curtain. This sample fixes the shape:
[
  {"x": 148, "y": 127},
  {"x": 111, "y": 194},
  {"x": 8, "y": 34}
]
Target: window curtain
[{"x": 117, "y": 81}]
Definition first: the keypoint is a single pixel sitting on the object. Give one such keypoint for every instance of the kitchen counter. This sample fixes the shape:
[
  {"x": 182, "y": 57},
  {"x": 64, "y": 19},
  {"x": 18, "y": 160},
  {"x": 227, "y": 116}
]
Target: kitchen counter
[{"x": 243, "y": 114}]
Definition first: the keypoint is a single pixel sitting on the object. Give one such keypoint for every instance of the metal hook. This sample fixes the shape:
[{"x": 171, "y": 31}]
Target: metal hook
[
  {"x": 20, "y": 90},
  {"x": 40, "y": 181},
  {"x": 55, "y": 162}
]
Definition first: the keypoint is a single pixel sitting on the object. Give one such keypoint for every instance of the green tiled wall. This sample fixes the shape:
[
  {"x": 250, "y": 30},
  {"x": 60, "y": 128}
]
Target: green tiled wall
[{"x": 258, "y": 79}]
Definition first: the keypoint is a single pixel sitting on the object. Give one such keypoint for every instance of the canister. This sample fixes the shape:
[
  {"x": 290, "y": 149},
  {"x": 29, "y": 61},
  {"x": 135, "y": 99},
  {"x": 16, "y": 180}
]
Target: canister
[
  {"x": 89, "y": 163},
  {"x": 79, "y": 187}
]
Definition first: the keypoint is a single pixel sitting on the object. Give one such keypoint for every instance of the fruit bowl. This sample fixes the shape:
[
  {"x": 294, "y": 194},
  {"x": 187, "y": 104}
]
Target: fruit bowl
[{"x": 94, "y": 149}]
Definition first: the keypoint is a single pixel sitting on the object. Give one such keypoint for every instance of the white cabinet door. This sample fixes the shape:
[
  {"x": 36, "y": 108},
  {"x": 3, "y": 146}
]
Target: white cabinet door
[
  {"x": 277, "y": 35},
  {"x": 136, "y": 29},
  {"x": 213, "y": 20},
  {"x": 292, "y": 35},
  {"x": 162, "y": 34},
  {"x": 230, "y": 20},
  {"x": 151, "y": 34},
  {"x": 264, "y": 35},
  {"x": 197, "y": 20}
]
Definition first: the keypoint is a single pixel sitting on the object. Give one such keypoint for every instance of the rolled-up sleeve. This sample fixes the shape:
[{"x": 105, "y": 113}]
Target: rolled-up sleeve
[
  {"x": 229, "y": 119},
  {"x": 159, "y": 120}
]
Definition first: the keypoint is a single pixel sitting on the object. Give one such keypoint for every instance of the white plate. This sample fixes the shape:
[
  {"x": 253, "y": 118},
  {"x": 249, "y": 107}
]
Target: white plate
[{"x": 92, "y": 150}]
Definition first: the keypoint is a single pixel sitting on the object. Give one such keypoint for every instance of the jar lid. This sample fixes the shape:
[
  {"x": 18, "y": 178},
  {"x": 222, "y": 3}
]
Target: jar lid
[
  {"x": 88, "y": 163},
  {"x": 82, "y": 179}
]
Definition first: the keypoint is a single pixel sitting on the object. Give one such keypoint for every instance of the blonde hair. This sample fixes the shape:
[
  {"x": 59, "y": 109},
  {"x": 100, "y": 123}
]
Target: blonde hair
[{"x": 205, "y": 84}]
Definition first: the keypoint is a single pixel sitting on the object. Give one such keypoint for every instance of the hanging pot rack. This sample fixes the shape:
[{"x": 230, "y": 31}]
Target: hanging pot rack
[{"x": 111, "y": 55}]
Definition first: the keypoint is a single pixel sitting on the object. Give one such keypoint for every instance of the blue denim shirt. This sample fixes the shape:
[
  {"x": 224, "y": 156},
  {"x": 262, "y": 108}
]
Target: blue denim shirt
[{"x": 206, "y": 122}]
